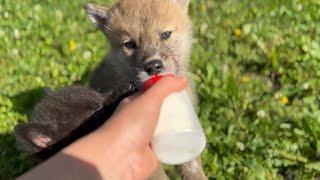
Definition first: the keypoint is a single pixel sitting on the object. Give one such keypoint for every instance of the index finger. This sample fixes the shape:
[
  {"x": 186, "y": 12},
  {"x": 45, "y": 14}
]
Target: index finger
[{"x": 164, "y": 87}]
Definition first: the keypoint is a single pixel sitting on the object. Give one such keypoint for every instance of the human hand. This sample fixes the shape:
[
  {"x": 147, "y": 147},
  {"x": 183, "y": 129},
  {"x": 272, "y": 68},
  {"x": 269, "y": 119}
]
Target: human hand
[{"x": 120, "y": 149}]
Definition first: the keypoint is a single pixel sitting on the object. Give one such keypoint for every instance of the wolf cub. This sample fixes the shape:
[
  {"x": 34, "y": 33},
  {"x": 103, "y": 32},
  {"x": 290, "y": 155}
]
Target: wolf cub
[{"x": 147, "y": 37}]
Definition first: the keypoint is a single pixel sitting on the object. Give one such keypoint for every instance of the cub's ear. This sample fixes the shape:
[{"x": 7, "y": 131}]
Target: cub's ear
[
  {"x": 33, "y": 137},
  {"x": 97, "y": 14},
  {"x": 183, "y": 3}
]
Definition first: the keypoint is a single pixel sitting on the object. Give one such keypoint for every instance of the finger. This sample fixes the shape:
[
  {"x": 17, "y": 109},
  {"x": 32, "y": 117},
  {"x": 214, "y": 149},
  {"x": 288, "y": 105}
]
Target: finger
[
  {"x": 165, "y": 87},
  {"x": 146, "y": 107},
  {"x": 153, "y": 162},
  {"x": 152, "y": 100}
]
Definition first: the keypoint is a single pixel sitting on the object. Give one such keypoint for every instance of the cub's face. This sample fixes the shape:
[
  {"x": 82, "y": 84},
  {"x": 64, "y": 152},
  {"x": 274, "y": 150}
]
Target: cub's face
[{"x": 148, "y": 37}]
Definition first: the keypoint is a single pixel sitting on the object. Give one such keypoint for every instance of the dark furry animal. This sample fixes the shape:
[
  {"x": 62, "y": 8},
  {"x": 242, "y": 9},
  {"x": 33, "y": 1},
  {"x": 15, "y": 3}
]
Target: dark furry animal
[{"x": 65, "y": 116}]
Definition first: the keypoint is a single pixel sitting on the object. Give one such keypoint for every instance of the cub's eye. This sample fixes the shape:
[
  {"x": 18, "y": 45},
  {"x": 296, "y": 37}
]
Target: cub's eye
[
  {"x": 166, "y": 35},
  {"x": 130, "y": 45}
]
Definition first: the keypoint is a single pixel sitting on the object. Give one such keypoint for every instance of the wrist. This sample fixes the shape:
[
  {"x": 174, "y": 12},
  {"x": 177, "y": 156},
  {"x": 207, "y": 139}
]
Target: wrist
[{"x": 102, "y": 151}]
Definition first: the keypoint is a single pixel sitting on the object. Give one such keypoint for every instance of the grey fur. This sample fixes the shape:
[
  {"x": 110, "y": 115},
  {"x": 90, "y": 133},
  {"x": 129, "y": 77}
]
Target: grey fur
[{"x": 60, "y": 113}]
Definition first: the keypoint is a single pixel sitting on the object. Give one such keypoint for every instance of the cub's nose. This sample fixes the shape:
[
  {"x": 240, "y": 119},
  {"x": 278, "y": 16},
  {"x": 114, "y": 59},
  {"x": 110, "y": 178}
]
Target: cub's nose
[{"x": 154, "y": 67}]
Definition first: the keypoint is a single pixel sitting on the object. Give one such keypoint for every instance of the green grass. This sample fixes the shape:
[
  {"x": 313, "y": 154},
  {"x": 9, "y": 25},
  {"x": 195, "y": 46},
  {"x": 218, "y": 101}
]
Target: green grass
[{"x": 256, "y": 65}]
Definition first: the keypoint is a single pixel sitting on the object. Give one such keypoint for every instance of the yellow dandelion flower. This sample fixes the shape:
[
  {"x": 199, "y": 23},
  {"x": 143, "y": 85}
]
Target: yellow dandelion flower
[
  {"x": 203, "y": 7},
  {"x": 284, "y": 100},
  {"x": 72, "y": 46},
  {"x": 238, "y": 32},
  {"x": 245, "y": 79}
]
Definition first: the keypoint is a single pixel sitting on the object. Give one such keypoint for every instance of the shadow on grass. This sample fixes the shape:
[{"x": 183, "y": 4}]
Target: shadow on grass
[
  {"x": 25, "y": 102},
  {"x": 13, "y": 162}
]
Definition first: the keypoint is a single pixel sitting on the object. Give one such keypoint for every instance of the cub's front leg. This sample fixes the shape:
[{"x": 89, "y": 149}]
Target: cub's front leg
[{"x": 193, "y": 169}]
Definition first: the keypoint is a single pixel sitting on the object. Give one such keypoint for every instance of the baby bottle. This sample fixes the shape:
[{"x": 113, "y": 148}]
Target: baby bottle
[{"x": 178, "y": 137}]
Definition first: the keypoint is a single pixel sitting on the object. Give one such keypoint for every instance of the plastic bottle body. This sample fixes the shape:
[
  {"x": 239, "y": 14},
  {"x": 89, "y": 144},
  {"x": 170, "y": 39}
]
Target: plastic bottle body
[{"x": 178, "y": 137}]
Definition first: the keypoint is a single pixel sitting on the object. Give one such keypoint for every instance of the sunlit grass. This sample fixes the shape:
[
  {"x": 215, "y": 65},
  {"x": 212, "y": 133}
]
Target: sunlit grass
[{"x": 256, "y": 65}]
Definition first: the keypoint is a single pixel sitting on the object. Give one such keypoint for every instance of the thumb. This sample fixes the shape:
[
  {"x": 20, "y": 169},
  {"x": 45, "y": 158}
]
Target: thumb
[
  {"x": 164, "y": 87},
  {"x": 153, "y": 98}
]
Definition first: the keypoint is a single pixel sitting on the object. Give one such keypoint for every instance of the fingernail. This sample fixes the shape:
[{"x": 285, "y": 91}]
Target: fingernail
[{"x": 182, "y": 78}]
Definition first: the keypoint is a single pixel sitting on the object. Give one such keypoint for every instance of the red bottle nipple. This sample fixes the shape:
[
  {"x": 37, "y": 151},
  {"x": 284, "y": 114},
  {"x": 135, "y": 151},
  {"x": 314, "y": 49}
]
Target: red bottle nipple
[{"x": 150, "y": 82}]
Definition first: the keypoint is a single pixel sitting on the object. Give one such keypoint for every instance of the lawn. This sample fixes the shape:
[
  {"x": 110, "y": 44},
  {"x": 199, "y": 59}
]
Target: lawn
[{"x": 256, "y": 65}]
